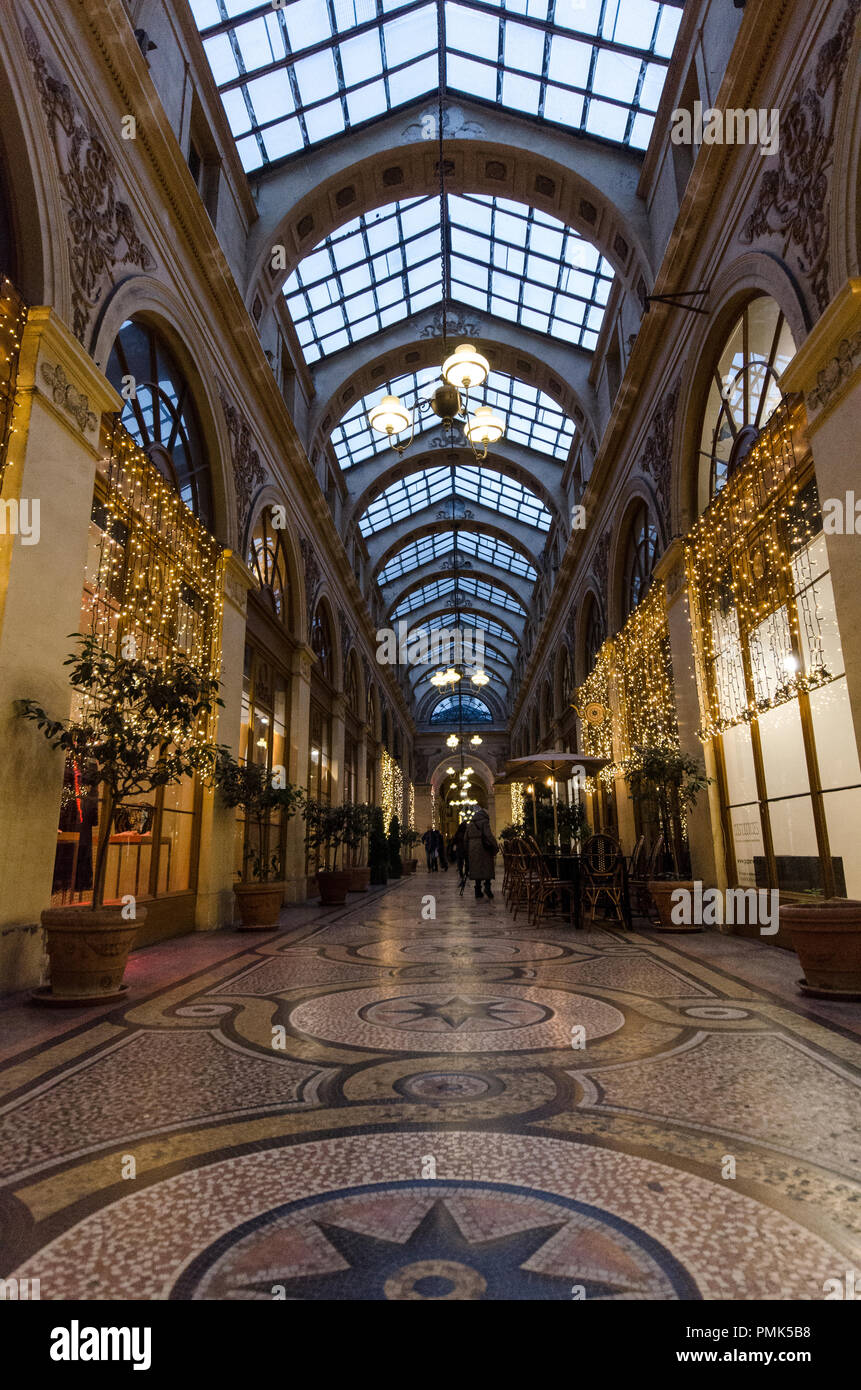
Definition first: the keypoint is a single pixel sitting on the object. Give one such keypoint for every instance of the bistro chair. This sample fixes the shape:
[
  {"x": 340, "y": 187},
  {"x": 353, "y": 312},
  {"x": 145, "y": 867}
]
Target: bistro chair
[
  {"x": 603, "y": 875},
  {"x": 642, "y": 876}
]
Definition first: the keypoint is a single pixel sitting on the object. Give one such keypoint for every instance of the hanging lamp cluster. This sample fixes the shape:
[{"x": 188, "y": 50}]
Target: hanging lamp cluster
[{"x": 465, "y": 370}]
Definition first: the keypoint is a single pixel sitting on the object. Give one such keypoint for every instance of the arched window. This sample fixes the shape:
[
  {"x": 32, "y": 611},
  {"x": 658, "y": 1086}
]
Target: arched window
[
  {"x": 450, "y": 710},
  {"x": 641, "y": 552},
  {"x": 267, "y": 560},
  {"x": 745, "y": 390},
  {"x": 594, "y": 636},
  {"x": 321, "y": 641},
  {"x": 160, "y": 414}
]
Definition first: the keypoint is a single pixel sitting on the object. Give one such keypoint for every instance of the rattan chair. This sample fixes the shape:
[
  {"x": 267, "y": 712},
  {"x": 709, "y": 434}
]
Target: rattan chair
[
  {"x": 640, "y": 880},
  {"x": 602, "y": 868}
]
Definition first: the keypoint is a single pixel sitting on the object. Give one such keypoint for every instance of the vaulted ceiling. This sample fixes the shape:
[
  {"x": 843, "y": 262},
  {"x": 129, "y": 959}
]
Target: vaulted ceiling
[{"x": 447, "y": 536}]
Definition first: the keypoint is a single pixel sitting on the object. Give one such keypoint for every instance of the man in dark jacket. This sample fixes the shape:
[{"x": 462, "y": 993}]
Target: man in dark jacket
[
  {"x": 481, "y": 849},
  {"x": 430, "y": 849},
  {"x": 439, "y": 845},
  {"x": 457, "y": 848}
]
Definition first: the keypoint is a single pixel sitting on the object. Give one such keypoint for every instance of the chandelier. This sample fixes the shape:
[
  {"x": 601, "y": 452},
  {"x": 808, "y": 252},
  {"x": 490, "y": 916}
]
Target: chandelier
[{"x": 465, "y": 369}]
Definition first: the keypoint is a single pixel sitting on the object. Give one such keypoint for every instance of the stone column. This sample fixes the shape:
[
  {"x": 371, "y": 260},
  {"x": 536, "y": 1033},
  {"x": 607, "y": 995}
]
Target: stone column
[
  {"x": 215, "y": 874},
  {"x": 704, "y": 821},
  {"x": 339, "y": 705},
  {"x": 624, "y": 804},
  {"x": 827, "y": 368},
  {"x": 361, "y": 763},
  {"x": 297, "y": 771},
  {"x": 61, "y": 397},
  {"x": 500, "y": 809}
]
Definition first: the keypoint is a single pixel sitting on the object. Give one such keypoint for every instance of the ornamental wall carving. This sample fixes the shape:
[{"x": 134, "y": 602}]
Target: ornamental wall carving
[
  {"x": 656, "y": 458},
  {"x": 313, "y": 575},
  {"x": 838, "y": 370},
  {"x": 793, "y": 200},
  {"x": 248, "y": 472},
  {"x": 64, "y": 394},
  {"x": 102, "y": 233}
]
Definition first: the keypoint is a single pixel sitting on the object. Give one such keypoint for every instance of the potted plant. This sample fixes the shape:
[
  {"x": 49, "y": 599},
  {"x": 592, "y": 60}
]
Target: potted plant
[
  {"x": 324, "y": 834},
  {"x": 356, "y": 825},
  {"x": 674, "y": 779},
  {"x": 826, "y": 937},
  {"x": 393, "y": 840},
  {"x": 378, "y": 849},
  {"x": 139, "y": 727},
  {"x": 253, "y": 789},
  {"x": 409, "y": 838}
]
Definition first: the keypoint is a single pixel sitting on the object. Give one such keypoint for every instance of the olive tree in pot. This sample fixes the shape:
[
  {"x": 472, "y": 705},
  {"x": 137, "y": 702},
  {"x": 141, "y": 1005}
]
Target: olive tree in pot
[
  {"x": 325, "y": 833},
  {"x": 140, "y": 726},
  {"x": 410, "y": 838},
  {"x": 674, "y": 779},
  {"x": 357, "y": 820},
  {"x": 253, "y": 789},
  {"x": 378, "y": 849}
]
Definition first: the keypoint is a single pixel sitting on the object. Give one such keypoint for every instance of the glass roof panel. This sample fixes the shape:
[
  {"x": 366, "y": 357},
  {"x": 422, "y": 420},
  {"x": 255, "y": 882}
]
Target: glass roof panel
[
  {"x": 341, "y": 63},
  {"x": 475, "y": 620},
  {"x": 488, "y": 549},
  {"x": 506, "y": 258},
  {"x": 533, "y": 418},
  {"x": 475, "y": 483},
  {"x": 452, "y": 707},
  {"x": 468, "y": 587}
]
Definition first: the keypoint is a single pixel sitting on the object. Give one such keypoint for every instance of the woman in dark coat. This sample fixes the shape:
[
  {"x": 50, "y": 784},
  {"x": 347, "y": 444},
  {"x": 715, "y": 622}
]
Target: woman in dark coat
[{"x": 481, "y": 849}]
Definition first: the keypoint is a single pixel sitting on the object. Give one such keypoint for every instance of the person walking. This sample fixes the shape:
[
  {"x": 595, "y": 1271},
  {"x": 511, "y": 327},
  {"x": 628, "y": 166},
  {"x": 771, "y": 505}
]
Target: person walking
[
  {"x": 429, "y": 842},
  {"x": 439, "y": 845},
  {"x": 481, "y": 849},
  {"x": 456, "y": 848}
]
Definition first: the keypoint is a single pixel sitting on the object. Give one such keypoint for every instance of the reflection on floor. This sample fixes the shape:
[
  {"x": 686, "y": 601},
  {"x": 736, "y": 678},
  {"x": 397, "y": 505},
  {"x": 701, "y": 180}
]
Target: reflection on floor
[{"x": 376, "y": 1104}]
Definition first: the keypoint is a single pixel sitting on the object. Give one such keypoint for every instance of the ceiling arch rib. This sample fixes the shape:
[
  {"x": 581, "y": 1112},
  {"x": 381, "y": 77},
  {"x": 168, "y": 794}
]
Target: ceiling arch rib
[
  {"x": 505, "y": 258},
  {"x": 293, "y": 76},
  {"x": 470, "y": 586},
  {"x": 409, "y": 563},
  {"x": 460, "y": 486},
  {"x": 389, "y": 541}
]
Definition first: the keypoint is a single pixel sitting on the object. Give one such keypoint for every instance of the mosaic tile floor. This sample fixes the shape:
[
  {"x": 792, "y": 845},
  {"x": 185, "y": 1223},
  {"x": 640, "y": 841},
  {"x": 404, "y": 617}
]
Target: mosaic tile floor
[{"x": 368, "y": 1104}]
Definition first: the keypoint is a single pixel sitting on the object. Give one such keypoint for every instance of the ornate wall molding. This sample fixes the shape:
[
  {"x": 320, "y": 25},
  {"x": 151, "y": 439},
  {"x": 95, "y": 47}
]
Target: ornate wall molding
[
  {"x": 346, "y": 642},
  {"x": 248, "y": 472},
  {"x": 459, "y": 325},
  {"x": 313, "y": 575},
  {"x": 793, "y": 200},
  {"x": 600, "y": 564},
  {"x": 830, "y": 379},
  {"x": 64, "y": 394},
  {"x": 656, "y": 458},
  {"x": 454, "y": 124},
  {"x": 101, "y": 228}
]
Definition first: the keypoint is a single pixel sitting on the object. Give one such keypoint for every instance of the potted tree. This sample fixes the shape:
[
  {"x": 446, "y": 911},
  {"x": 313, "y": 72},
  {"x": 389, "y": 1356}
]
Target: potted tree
[
  {"x": 674, "y": 779},
  {"x": 409, "y": 838},
  {"x": 356, "y": 825},
  {"x": 378, "y": 849},
  {"x": 253, "y": 789},
  {"x": 324, "y": 834},
  {"x": 393, "y": 839},
  {"x": 139, "y": 727}
]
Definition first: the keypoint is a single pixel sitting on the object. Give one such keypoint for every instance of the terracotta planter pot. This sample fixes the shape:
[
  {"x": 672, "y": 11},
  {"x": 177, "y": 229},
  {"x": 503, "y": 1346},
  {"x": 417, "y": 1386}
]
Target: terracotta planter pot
[
  {"x": 662, "y": 890},
  {"x": 359, "y": 880},
  {"x": 88, "y": 951},
  {"x": 334, "y": 885},
  {"x": 410, "y": 866},
  {"x": 259, "y": 904},
  {"x": 827, "y": 939}
]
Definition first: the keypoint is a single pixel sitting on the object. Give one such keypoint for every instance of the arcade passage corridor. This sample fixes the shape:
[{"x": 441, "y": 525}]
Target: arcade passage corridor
[{"x": 379, "y": 1104}]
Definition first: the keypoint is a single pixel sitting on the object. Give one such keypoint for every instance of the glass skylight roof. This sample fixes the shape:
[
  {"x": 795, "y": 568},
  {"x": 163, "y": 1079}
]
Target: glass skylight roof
[
  {"x": 476, "y": 484},
  {"x": 533, "y": 418},
  {"x": 487, "y": 549},
  {"x": 469, "y": 587},
  {"x": 474, "y": 620},
  {"x": 307, "y": 70},
  {"x": 506, "y": 258},
  {"x": 452, "y": 707}
]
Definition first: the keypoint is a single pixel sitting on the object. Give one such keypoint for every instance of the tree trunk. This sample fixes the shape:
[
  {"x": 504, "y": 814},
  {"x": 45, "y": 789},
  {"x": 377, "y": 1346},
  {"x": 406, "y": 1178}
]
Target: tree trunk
[{"x": 109, "y": 809}]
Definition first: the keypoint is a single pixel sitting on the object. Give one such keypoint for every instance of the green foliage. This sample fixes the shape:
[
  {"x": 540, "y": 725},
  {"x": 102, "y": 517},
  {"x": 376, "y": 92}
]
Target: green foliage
[
  {"x": 140, "y": 728},
  {"x": 409, "y": 838},
  {"x": 357, "y": 820},
  {"x": 659, "y": 770},
  {"x": 512, "y": 832},
  {"x": 396, "y": 867},
  {"x": 378, "y": 850},
  {"x": 325, "y": 828},
  {"x": 254, "y": 790}
]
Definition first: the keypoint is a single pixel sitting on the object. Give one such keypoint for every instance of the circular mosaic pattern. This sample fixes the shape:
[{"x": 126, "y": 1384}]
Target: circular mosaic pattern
[
  {"x": 203, "y": 1010},
  {"x": 716, "y": 1011},
  {"x": 437, "y": 1241},
  {"x": 458, "y": 951},
  {"x": 445, "y": 1085},
  {"x": 442, "y": 1018}
]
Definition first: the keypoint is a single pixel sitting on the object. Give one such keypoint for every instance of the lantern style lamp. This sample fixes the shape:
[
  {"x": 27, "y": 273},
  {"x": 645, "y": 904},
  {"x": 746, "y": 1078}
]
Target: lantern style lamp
[{"x": 466, "y": 368}]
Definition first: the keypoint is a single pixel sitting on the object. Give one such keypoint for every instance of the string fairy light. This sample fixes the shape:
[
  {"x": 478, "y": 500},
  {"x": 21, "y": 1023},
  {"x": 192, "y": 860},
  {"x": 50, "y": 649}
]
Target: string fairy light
[{"x": 13, "y": 318}]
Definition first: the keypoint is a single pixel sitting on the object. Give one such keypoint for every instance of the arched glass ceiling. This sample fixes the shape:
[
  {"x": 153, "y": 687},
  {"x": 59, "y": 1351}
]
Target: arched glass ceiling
[
  {"x": 491, "y": 653},
  {"x": 302, "y": 71},
  {"x": 474, "y": 620},
  {"x": 467, "y": 586},
  {"x": 533, "y": 418},
  {"x": 488, "y": 549},
  {"x": 506, "y": 258},
  {"x": 451, "y": 707},
  {"x": 477, "y": 484}
]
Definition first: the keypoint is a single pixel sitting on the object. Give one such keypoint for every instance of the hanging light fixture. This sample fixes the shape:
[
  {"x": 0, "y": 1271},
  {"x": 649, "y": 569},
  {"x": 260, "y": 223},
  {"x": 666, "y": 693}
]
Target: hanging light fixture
[
  {"x": 476, "y": 741},
  {"x": 480, "y": 677},
  {"x": 452, "y": 741},
  {"x": 465, "y": 369}
]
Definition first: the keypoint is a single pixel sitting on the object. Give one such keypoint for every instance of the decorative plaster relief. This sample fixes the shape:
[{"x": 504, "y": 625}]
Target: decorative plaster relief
[{"x": 64, "y": 394}]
